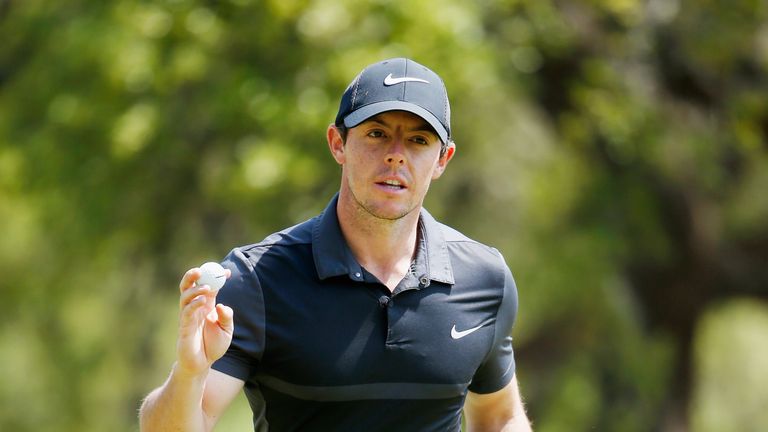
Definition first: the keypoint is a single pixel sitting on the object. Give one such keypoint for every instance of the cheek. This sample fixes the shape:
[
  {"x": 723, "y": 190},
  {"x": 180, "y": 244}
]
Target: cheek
[
  {"x": 433, "y": 171},
  {"x": 355, "y": 161},
  {"x": 356, "y": 165},
  {"x": 437, "y": 171}
]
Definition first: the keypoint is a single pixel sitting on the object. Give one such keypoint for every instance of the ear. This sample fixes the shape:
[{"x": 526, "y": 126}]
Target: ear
[
  {"x": 335, "y": 144},
  {"x": 442, "y": 163}
]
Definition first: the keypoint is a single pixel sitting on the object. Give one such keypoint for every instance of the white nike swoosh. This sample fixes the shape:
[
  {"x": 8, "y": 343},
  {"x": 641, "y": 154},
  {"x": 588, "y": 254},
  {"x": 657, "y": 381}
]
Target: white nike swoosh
[
  {"x": 460, "y": 334},
  {"x": 389, "y": 81}
]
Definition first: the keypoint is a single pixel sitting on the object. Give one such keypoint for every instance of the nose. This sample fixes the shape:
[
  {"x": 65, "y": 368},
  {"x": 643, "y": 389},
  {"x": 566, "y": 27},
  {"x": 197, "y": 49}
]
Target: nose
[
  {"x": 395, "y": 159},
  {"x": 396, "y": 153}
]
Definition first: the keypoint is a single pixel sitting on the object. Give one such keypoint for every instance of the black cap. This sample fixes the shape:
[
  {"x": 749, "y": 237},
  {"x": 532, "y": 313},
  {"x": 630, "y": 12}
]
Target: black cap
[{"x": 397, "y": 84}]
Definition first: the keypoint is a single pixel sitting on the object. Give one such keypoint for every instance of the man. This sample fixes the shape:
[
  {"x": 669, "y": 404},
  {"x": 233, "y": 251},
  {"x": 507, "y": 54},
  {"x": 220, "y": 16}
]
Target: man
[{"x": 369, "y": 317}]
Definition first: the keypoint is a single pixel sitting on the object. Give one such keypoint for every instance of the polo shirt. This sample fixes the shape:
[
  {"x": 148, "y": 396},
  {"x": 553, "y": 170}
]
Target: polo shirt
[{"x": 323, "y": 345}]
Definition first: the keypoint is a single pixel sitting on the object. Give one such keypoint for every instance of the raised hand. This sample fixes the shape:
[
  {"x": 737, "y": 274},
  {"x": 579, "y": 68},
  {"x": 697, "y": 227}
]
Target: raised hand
[{"x": 205, "y": 329}]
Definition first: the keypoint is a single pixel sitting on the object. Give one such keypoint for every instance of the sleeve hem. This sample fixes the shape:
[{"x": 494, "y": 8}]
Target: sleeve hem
[
  {"x": 498, "y": 384},
  {"x": 231, "y": 367}
]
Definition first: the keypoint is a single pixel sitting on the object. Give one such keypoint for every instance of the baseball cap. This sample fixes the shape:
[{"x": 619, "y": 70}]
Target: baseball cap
[{"x": 397, "y": 84}]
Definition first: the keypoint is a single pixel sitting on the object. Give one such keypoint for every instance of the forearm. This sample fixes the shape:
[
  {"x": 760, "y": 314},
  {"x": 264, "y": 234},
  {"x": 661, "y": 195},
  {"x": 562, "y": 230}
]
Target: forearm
[
  {"x": 500, "y": 411},
  {"x": 519, "y": 423},
  {"x": 176, "y": 405}
]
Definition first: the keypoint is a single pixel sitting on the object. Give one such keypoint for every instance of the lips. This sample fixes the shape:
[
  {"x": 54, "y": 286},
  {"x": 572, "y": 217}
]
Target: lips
[{"x": 392, "y": 183}]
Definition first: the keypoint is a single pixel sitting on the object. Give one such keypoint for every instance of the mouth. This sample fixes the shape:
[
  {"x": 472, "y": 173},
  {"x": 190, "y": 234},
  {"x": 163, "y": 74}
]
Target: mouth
[{"x": 394, "y": 185}]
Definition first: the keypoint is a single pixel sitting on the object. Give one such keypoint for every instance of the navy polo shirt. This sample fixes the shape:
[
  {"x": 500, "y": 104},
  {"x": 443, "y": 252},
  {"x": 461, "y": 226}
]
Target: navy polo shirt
[{"x": 322, "y": 345}]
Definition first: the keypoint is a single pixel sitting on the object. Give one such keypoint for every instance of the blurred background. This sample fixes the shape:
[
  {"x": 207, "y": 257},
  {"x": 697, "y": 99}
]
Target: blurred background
[{"x": 615, "y": 151}]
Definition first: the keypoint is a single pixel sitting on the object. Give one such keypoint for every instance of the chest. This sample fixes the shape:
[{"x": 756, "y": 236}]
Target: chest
[{"x": 341, "y": 333}]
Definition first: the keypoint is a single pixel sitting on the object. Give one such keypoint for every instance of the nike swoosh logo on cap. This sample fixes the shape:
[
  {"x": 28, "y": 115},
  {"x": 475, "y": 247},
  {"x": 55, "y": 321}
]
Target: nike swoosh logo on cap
[
  {"x": 460, "y": 334},
  {"x": 389, "y": 81}
]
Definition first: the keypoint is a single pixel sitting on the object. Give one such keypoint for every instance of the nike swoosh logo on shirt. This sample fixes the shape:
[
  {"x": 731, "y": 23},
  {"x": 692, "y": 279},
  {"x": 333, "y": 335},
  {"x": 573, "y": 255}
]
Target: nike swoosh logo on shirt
[
  {"x": 389, "y": 81},
  {"x": 460, "y": 334}
]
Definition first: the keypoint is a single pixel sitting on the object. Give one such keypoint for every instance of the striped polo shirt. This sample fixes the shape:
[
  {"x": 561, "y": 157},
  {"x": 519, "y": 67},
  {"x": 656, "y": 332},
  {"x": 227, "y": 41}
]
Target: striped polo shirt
[{"x": 323, "y": 345}]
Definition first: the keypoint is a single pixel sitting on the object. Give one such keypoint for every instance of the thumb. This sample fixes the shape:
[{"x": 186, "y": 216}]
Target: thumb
[{"x": 226, "y": 315}]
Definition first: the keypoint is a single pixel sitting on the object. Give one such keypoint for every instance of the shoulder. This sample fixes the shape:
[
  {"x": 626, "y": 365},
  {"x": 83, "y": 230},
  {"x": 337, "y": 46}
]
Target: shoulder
[
  {"x": 245, "y": 262},
  {"x": 463, "y": 248},
  {"x": 282, "y": 242},
  {"x": 480, "y": 268},
  {"x": 284, "y": 252}
]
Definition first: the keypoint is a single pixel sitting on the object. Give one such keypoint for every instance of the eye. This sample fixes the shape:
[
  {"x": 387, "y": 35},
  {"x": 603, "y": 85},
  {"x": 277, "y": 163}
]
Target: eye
[
  {"x": 376, "y": 133},
  {"x": 420, "y": 140}
]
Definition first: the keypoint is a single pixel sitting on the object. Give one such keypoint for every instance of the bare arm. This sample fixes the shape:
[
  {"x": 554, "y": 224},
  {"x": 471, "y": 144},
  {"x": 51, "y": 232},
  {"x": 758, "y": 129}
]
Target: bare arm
[
  {"x": 194, "y": 396},
  {"x": 500, "y": 411}
]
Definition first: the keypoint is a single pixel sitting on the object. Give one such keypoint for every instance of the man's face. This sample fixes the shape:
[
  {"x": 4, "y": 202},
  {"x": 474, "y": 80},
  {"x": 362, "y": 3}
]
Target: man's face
[{"x": 388, "y": 163}]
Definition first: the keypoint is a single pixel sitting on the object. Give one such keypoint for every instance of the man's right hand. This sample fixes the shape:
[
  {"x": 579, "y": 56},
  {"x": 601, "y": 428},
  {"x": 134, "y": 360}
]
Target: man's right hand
[
  {"x": 194, "y": 396},
  {"x": 205, "y": 329}
]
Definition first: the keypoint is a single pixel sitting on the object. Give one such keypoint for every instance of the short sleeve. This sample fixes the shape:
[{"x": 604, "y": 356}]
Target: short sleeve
[
  {"x": 242, "y": 292},
  {"x": 498, "y": 368}
]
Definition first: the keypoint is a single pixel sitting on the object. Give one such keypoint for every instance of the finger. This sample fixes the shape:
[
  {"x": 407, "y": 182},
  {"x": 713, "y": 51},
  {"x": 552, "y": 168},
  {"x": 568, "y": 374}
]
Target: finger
[
  {"x": 228, "y": 272},
  {"x": 212, "y": 316},
  {"x": 189, "y": 278},
  {"x": 202, "y": 290},
  {"x": 189, "y": 315},
  {"x": 226, "y": 315}
]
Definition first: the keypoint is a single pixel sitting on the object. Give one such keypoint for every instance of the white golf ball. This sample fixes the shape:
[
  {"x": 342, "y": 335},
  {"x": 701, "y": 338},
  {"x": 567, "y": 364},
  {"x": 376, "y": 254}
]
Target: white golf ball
[{"x": 212, "y": 274}]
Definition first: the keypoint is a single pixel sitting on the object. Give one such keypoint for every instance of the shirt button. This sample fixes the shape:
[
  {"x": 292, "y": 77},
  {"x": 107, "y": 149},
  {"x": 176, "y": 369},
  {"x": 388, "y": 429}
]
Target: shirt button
[
  {"x": 424, "y": 281},
  {"x": 357, "y": 275}
]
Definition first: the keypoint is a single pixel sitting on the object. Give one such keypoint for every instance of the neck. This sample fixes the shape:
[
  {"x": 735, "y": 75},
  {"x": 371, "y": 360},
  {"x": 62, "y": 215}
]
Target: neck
[{"x": 384, "y": 247}]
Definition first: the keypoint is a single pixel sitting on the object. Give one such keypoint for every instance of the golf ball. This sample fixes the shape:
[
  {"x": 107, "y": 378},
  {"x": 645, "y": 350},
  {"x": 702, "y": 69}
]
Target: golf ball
[{"x": 212, "y": 274}]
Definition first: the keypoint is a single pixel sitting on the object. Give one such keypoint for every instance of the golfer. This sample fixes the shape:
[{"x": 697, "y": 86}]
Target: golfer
[{"x": 372, "y": 316}]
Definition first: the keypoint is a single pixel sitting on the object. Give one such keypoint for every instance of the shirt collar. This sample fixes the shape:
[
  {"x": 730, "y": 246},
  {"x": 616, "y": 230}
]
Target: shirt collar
[{"x": 334, "y": 258}]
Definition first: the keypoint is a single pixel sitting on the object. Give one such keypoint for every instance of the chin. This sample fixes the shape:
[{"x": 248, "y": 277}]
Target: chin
[
  {"x": 391, "y": 209},
  {"x": 388, "y": 212}
]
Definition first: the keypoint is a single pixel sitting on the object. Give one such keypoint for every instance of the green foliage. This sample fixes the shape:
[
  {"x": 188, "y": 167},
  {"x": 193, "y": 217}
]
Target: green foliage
[
  {"x": 613, "y": 150},
  {"x": 737, "y": 330}
]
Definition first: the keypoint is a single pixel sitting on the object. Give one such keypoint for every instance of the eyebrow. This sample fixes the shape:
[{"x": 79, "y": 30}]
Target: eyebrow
[{"x": 423, "y": 126}]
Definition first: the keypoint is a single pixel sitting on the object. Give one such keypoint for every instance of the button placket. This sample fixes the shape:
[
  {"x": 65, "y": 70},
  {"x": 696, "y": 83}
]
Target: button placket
[{"x": 388, "y": 323}]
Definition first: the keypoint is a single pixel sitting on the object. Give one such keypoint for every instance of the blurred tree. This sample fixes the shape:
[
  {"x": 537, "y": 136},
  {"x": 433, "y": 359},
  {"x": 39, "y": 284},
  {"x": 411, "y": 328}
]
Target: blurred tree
[{"x": 662, "y": 107}]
